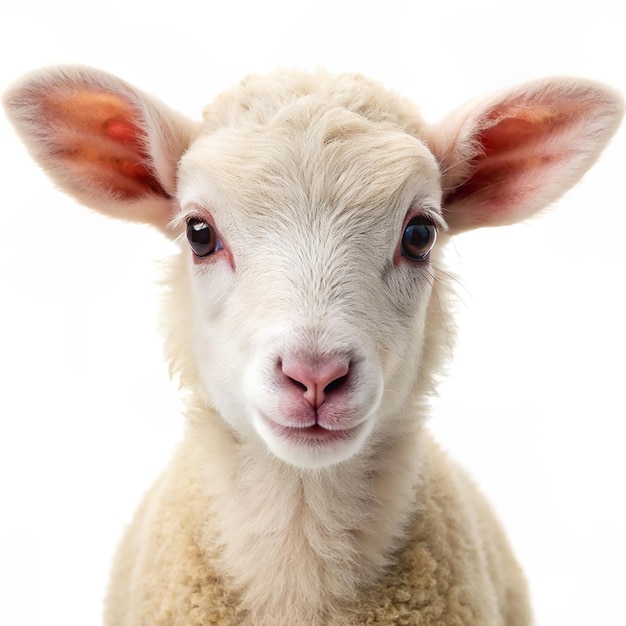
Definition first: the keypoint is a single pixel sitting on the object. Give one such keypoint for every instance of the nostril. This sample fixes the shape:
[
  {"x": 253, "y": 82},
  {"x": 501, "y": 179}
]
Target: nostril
[
  {"x": 315, "y": 378},
  {"x": 297, "y": 383},
  {"x": 336, "y": 384}
]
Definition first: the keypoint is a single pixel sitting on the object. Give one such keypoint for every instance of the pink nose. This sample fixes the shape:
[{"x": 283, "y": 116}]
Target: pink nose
[{"x": 316, "y": 379}]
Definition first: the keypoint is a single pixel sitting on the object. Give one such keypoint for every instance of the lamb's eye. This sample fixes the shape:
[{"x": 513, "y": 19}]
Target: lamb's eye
[
  {"x": 418, "y": 238},
  {"x": 202, "y": 237}
]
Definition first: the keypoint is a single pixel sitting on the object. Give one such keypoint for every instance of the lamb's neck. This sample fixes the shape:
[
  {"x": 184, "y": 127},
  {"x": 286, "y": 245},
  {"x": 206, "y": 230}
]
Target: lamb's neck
[{"x": 313, "y": 535}]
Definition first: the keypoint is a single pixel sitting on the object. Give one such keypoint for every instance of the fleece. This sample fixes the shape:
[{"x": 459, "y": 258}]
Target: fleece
[{"x": 454, "y": 569}]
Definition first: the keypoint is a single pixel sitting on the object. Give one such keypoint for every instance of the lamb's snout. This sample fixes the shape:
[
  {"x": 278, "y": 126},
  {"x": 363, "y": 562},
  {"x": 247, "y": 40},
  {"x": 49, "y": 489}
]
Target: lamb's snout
[
  {"x": 313, "y": 392},
  {"x": 315, "y": 379},
  {"x": 316, "y": 404}
]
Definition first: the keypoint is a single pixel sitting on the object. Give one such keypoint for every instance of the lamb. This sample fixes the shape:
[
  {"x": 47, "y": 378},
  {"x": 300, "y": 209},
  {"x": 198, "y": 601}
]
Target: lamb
[{"x": 307, "y": 319}]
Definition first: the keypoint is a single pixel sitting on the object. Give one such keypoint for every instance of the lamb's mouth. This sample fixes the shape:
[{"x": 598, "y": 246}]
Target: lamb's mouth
[{"x": 314, "y": 433}]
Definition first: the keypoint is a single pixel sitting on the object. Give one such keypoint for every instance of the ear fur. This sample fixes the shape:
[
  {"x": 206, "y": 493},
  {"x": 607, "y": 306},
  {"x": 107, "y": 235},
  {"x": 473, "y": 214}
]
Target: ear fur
[
  {"x": 505, "y": 158},
  {"x": 106, "y": 143}
]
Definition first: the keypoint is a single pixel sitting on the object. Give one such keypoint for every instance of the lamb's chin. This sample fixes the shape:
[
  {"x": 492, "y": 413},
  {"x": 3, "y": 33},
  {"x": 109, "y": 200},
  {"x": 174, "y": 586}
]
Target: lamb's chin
[{"x": 311, "y": 447}]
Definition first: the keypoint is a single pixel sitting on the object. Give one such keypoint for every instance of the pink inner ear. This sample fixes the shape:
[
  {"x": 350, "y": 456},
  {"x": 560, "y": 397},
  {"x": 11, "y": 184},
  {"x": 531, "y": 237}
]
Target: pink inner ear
[
  {"x": 94, "y": 133},
  {"x": 519, "y": 150},
  {"x": 507, "y": 134},
  {"x": 121, "y": 130}
]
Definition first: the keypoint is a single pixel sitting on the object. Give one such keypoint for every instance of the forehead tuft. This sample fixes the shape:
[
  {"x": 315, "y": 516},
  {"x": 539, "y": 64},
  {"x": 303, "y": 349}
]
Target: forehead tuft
[
  {"x": 261, "y": 100},
  {"x": 308, "y": 143}
]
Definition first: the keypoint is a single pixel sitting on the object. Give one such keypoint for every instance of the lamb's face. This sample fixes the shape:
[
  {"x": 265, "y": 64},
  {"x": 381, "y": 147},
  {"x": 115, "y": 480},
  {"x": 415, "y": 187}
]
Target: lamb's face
[
  {"x": 311, "y": 207},
  {"x": 309, "y": 245}
]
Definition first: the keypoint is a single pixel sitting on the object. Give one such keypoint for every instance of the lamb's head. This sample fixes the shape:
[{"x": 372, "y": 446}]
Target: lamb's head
[
  {"x": 311, "y": 211},
  {"x": 309, "y": 233}
]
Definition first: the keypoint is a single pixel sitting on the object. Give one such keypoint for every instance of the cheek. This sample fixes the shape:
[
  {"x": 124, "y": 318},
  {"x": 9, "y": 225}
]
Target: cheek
[
  {"x": 401, "y": 307},
  {"x": 211, "y": 286},
  {"x": 233, "y": 327},
  {"x": 218, "y": 351},
  {"x": 400, "y": 341}
]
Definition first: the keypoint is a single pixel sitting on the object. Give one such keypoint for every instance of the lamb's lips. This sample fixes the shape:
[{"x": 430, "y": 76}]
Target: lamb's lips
[{"x": 315, "y": 432}]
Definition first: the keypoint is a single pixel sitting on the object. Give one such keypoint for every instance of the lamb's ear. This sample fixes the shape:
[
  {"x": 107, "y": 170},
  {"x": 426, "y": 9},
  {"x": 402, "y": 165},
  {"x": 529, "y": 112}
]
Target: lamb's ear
[
  {"x": 505, "y": 158},
  {"x": 112, "y": 147}
]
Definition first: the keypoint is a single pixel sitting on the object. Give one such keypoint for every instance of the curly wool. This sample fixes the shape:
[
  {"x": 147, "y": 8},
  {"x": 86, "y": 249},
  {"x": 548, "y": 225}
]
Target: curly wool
[{"x": 455, "y": 568}]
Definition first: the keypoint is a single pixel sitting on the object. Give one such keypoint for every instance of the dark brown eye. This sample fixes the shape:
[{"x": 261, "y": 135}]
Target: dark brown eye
[
  {"x": 418, "y": 238},
  {"x": 202, "y": 237}
]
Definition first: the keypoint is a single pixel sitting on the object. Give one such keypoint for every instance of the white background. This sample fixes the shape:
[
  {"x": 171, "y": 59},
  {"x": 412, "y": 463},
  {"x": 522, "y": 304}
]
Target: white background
[{"x": 534, "y": 407}]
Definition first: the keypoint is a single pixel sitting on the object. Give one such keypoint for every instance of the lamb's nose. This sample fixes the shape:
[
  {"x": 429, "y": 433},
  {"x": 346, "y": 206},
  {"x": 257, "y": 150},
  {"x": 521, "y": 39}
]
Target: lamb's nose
[{"x": 317, "y": 379}]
